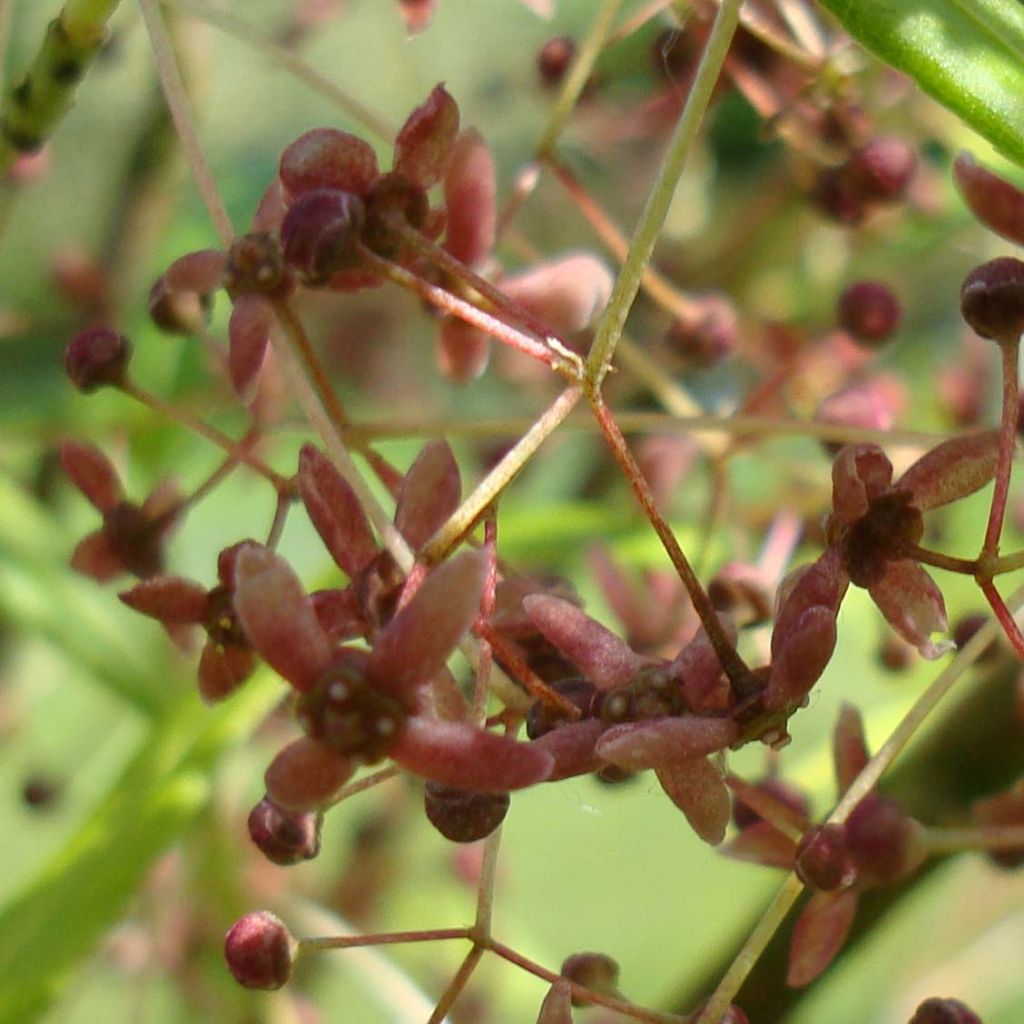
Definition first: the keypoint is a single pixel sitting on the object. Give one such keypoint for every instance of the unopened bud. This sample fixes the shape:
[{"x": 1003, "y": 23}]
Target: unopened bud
[
  {"x": 260, "y": 951},
  {"x": 97, "y": 358}
]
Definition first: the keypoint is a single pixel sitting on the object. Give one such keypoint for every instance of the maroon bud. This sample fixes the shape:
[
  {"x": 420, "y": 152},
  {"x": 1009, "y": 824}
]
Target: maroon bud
[
  {"x": 992, "y": 300},
  {"x": 259, "y": 951},
  {"x": 39, "y": 792},
  {"x": 880, "y": 840},
  {"x": 320, "y": 234},
  {"x": 178, "y": 312},
  {"x": 97, "y": 358},
  {"x": 821, "y": 858},
  {"x": 596, "y": 971},
  {"x": 394, "y": 203},
  {"x": 284, "y": 837},
  {"x": 464, "y": 815},
  {"x": 554, "y": 60},
  {"x": 837, "y": 198},
  {"x": 869, "y": 311},
  {"x": 882, "y": 169},
  {"x": 255, "y": 265},
  {"x": 895, "y": 654},
  {"x": 944, "y": 1011},
  {"x": 710, "y": 336}
]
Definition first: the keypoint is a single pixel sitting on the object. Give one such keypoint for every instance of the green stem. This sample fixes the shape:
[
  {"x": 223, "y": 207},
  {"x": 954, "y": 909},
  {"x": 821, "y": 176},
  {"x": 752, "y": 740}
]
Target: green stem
[
  {"x": 967, "y": 567},
  {"x": 655, "y": 210},
  {"x": 1007, "y": 443}
]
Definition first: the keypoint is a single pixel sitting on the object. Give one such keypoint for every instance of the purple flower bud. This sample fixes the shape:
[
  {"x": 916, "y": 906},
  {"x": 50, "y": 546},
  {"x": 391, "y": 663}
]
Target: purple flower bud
[
  {"x": 821, "y": 858},
  {"x": 944, "y": 1011},
  {"x": 97, "y": 358},
  {"x": 869, "y": 311},
  {"x": 464, "y": 815},
  {"x": 992, "y": 300},
  {"x": 284, "y": 837},
  {"x": 259, "y": 951},
  {"x": 320, "y": 234}
]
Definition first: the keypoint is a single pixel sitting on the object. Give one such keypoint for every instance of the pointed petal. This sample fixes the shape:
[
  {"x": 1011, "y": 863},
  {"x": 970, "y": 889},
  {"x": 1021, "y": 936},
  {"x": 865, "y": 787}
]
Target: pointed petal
[
  {"x": 328, "y": 158},
  {"x": 278, "y": 617},
  {"x": 566, "y": 293},
  {"x": 417, "y": 14},
  {"x": 464, "y": 755},
  {"x": 339, "y": 614},
  {"x": 699, "y": 671},
  {"x": 169, "y": 599},
  {"x": 222, "y": 669},
  {"x": 860, "y": 473},
  {"x": 849, "y": 748},
  {"x": 997, "y": 203},
  {"x": 469, "y": 191},
  {"x": 599, "y": 654},
  {"x": 661, "y": 741},
  {"x": 557, "y": 1005},
  {"x": 335, "y": 512},
  {"x": 426, "y": 141},
  {"x": 429, "y": 494},
  {"x": 463, "y": 350},
  {"x": 95, "y": 556},
  {"x": 271, "y": 209},
  {"x": 416, "y": 643},
  {"x": 952, "y": 470},
  {"x": 761, "y": 843},
  {"x": 697, "y": 789},
  {"x": 248, "y": 334},
  {"x": 92, "y": 473},
  {"x": 305, "y": 774},
  {"x": 198, "y": 272},
  {"x": 572, "y": 748},
  {"x": 819, "y": 934},
  {"x": 912, "y": 604}
]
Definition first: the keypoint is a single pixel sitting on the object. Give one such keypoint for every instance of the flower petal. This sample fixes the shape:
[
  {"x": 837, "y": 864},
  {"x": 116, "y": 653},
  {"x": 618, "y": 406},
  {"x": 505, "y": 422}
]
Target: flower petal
[
  {"x": 96, "y": 557},
  {"x": 248, "y": 334},
  {"x": 952, "y": 470},
  {"x": 306, "y": 773},
  {"x": 335, "y": 512},
  {"x": 819, "y": 934},
  {"x": 566, "y": 293},
  {"x": 426, "y": 141},
  {"x": 469, "y": 190},
  {"x": 997, "y": 203},
  {"x": 198, "y": 272},
  {"x": 572, "y": 748},
  {"x": 464, "y": 755},
  {"x": 339, "y": 613},
  {"x": 849, "y": 748},
  {"x": 278, "y": 617},
  {"x": 557, "y": 1005},
  {"x": 860, "y": 473},
  {"x": 699, "y": 671},
  {"x": 328, "y": 158},
  {"x": 697, "y": 789},
  {"x": 761, "y": 843},
  {"x": 416, "y": 643},
  {"x": 600, "y": 655},
  {"x": 222, "y": 669},
  {"x": 912, "y": 604},
  {"x": 93, "y": 474},
  {"x": 429, "y": 494},
  {"x": 662, "y": 741},
  {"x": 169, "y": 599},
  {"x": 463, "y": 350}
]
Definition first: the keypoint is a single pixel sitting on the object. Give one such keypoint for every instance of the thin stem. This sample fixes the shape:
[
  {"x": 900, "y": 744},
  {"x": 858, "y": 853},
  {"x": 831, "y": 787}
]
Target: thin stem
[
  {"x": 456, "y": 985},
  {"x": 1007, "y": 563},
  {"x": 363, "y": 784},
  {"x": 1004, "y": 617},
  {"x": 239, "y": 451},
  {"x": 733, "y": 665},
  {"x": 638, "y": 19},
  {"x": 184, "y": 124},
  {"x": 281, "y": 510},
  {"x": 487, "y": 491},
  {"x": 974, "y": 837},
  {"x": 316, "y": 945},
  {"x": 641, "y": 247},
  {"x": 230, "y": 25},
  {"x": 1007, "y": 444},
  {"x": 968, "y": 567},
  {"x": 213, "y": 481},
  {"x": 576, "y": 79},
  {"x": 486, "y": 656},
  {"x": 485, "y": 887},
  {"x": 753, "y": 947}
]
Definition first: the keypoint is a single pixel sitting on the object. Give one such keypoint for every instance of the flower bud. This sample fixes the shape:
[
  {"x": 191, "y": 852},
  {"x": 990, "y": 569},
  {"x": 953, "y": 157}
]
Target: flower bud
[
  {"x": 284, "y": 837},
  {"x": 880, "y": 839},
  {"x": 596, "y": 971},
  {"x": 869, "y": 311},
  {"x": 821, "y": 858},
  {"x": 97, "y": 358},
  {"x": 259, "y": 951},
  {"x": 178, "y": 312},
  {"x": 554, "y": 60},
  {"x": 709, "y": 337},
  {"x": 463, "y": 815},
  {"x": 882, "y": 168},
  {"x": 320, "y": 234},
  {"x": 992, "y": 300},
  {"x": 944, "y": 1011}
]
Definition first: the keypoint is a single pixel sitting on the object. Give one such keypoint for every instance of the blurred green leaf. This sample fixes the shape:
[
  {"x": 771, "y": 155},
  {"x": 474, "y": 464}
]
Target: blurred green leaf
[{"x": 967, "y": 54}]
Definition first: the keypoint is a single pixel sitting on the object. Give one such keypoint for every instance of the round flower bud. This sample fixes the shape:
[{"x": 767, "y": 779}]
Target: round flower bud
[
  {"x": 320, "y": 234},
  {"x": 554, "y": 59},
  {"x": 464, "y": 815},
  {"x": 284, "y": 837},
  {"x": 882, "y": 169},
  {"x": 869, "y": 311},
  {"x": 821, "y": 860},
  {"x": 259, "y": 951},
  {"x": 944, "y": 1011},
  {"x": 992, "y": 300},
  {"x": 596, "y": 971},
  {"x": 97, "y": 358},
  {"x": 710, "y": 337},
  {"x": 880, "y": 840}
]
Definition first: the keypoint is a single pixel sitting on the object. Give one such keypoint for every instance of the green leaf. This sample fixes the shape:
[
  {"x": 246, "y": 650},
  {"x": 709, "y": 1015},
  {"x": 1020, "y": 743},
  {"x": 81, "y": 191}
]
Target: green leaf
[
  {"x": 84, "y": 890},
  {"x": 967, "y": 54}
]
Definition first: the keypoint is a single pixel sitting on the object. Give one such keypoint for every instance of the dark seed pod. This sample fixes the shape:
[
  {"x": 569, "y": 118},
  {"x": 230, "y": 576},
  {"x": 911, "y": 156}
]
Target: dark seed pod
[
  {"x": 821, "y": 858},
  {"x": 259, "y": 951},
  {"x": 284, "y": 837},
  {"x": 97, "y": 358},
  {"x": 992, "y": 300},
  {"x": 944, "y": 1011},
  {"x": 464, "y": 815}
]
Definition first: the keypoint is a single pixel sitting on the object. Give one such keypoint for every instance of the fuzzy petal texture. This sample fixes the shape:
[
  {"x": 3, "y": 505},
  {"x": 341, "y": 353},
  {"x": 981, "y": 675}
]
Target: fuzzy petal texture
[
  {"x": 699, "y": 671},
  {"x": 306, "y": 773},
  {"x": 278, "y": 617},
  {"x": 248, "y": 334},
  {"x": 952, "y": 470},
  {"x": 464, "y": 755},
  {"x": 463, "y": 351},
  {"x": 339, "y": 613},
  {"x": 96, "y": 557},
  {"x": 222, "y": 669},
  {"x": 335, "y": 512},
  {"x": 429, "y": 494},
  {"x": 198, "y": 272},
  {"x": 599, "y": 654},
  {"x": 912, "y": 604},
  {"x": 849, "y": 748},
  {"x": 637, "y": 746},
  {"x": 860, "y": 473},
  {"x": 819, "y": 934},
  {"x": 416, "y": 643},
  {"x": 762, "y": 843},
  {"x": 572, "y": 748},
  {"x": 997, "y": 203},
  {"x": 426, "y": 141},
  {"x": 169, "y": 599},
  {"x": 697, "y": 789},
  {"x": 92, "y": 473},
  {"x": 469, "y": 196},
  {"x": 567, "y": 293},
  {"x": 328, "y": 158}
]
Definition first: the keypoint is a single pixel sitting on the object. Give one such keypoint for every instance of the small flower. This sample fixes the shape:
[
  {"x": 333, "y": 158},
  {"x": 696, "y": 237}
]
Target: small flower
[
  {"x": 131, "y": 537},
  {"x": 97, "y": 358}
]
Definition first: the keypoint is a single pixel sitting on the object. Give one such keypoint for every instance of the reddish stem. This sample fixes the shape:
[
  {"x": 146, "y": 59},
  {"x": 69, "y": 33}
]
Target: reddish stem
[
  {"x": 1003, "y": 614},
  {"x": 1007, "y": 444}
]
